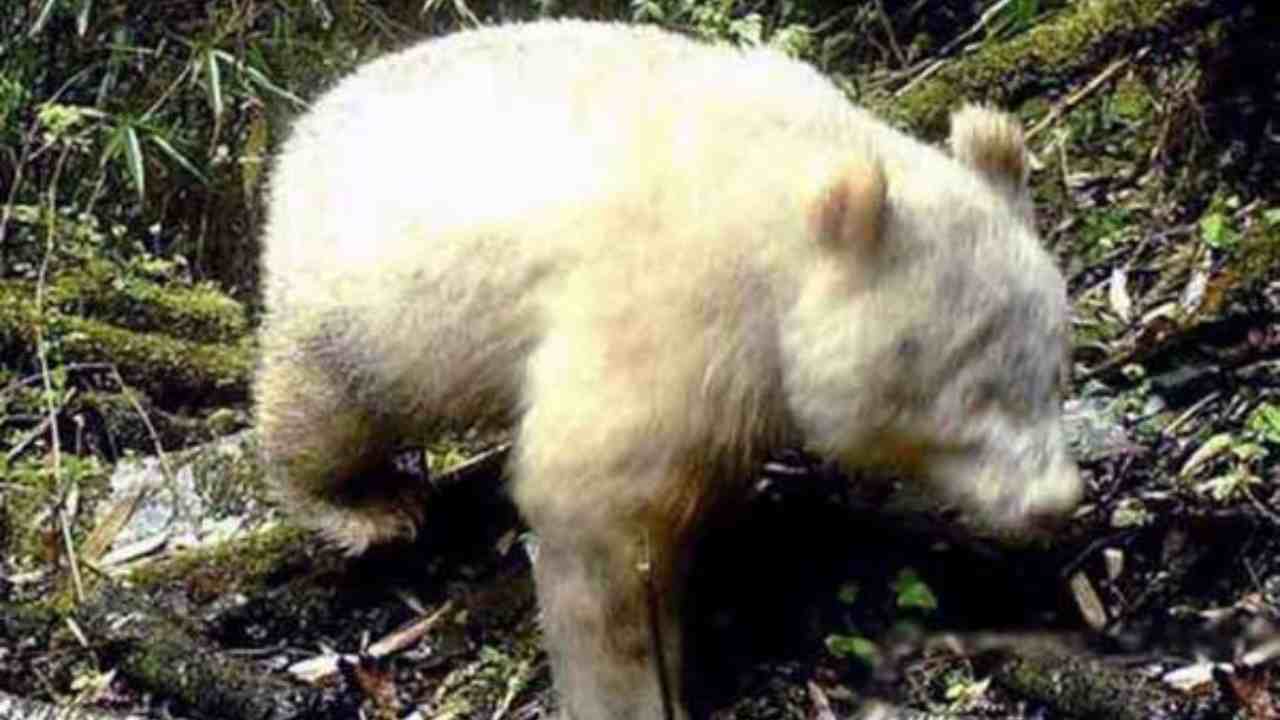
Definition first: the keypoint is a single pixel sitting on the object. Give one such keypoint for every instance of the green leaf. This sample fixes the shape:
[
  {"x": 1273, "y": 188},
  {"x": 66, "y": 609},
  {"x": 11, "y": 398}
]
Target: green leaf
[
  {"x": 1229, "y": 485},
  {"x": 61, "y": 119},
  {"x": 1130, "y": 513},
  {"x": 748, "y": 30},
  {"x": 112, "y": 148},
  {"x": 1248, "y": 452},
  {"x": 648, "y": 10},
  {"x": 848, "y": 593},
  {"x": 82, "y": 17},
  {"x": 213, "y": 82},
  {"x": 1211, "y": 449},
  {"x": 794, "y": 40},
  {"x": 177, "y": 157},
  {"x": 1271, "y": 216},
  {"x": 1214, "y": 231},
  {"x": 912, "y": 591},
  {"x": 42, "y": 17},
  {"x": 1265, "y": 421},
  {"x": 854, "y": 647},
  {"x": 259, "y": 78},
  {"x": 133, "y": 158},
  {"x": 962, "y": 692}
]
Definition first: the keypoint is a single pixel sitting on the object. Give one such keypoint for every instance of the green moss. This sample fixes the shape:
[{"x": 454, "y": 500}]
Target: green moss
[
  {"x": 446, "y": 450},
  {"x": 1130, "y": 100},
  {"x": 244, "y": 564},
  {"x": 163, "y": 365},
  {"x": 1101, "y": 230},
  {"x": 165, "y": 653},
  {"x": 98, "y": 289},
  {"x": 497, "y": 673},
  {"x": 1064, "y": 46},
  {"x": 1253, "y": 257},
  {"x": 169, "y": 370},
  {"x": 1080, "y": 687},
  {"x": 28, "y": 506}
]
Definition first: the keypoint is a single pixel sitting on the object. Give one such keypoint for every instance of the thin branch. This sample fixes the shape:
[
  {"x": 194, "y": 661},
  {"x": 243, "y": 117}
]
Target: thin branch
[
  {"x": 983, "y": 21},
  {"x": 33, "y": 379},
  {"x": 35, "y": 433},
  {"x": 146, "y": 420},
  {"x": 888, "y": 30},
  {"x": 1074, "y": 98},
  {"x": 43, "y": 357}
]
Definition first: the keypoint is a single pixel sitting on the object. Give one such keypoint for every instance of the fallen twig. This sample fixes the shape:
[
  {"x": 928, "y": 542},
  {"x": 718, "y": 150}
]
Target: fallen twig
[
  {"x": 321, "y": 668},
  {"x": 888, "y": 31},
  {"x": 821, "y": 705},
  {"x": 983, "y": 21},
  {"x": 489, "y": 462},
  {"x": 1074, "y": 98}
]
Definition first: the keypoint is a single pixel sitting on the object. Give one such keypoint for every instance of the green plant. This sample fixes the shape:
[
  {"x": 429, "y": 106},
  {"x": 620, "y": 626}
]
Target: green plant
[
  {"x": 854, "y": 647},
  {"x": 911, "y": 591}
]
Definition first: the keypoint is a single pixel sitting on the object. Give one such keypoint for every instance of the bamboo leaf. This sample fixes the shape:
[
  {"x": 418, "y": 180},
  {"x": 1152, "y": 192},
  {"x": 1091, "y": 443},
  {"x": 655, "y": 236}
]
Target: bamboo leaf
[
  {"x": 82, "y": 17},
  {"x": 41, "y": 18},
  {"x": 213, "y": 79},
  {"x": 1212, "y": 448},
  {"x": 133, "y": 158},
  {"x": 259, "y": 78},
  {"x": 113, "y": 147},
  {"x": 168, "y": 149}
]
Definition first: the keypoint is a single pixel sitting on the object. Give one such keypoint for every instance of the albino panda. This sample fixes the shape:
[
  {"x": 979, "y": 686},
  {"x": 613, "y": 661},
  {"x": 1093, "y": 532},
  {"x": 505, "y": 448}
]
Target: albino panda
[{"x": 657, "y": 260}]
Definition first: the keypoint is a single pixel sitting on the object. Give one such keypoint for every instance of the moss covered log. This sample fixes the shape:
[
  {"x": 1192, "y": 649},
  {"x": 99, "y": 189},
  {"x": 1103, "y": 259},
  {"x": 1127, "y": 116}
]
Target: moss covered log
[
  {"x": 173, "y": 372},
  {"x": 1065, "y": 47},
  {"x": 1082, "y": 687},
  {"x": 16, "y": 708},
  {"x": 26, "y": 631},
  {"x": 162, "y": 654},
  {"x": 99, "y": 290},
  {"x": 127, "y": 429}
]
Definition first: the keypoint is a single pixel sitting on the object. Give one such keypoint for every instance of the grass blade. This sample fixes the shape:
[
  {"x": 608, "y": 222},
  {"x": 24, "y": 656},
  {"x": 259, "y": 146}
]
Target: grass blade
[
  {"x": 82, "y": 17},
  {"x": 213, "y": 77},
  {"x": 257, "y": 77},
  {"x": 41, "y": 18},
  {"x": 133, "y": 158},
  {"x": 168, "y": 149}
]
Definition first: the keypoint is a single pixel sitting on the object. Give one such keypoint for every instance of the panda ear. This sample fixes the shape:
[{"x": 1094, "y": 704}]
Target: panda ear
[
  {"x": 991, "y": 142},
  {"x": 849, "y": 211}
]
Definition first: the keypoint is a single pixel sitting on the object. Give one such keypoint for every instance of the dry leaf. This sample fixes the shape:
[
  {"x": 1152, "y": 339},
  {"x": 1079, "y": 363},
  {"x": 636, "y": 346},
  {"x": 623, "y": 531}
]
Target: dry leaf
[
  {"x": 1212, "y": 448},
  {"x": 1113, "y": 558},
  {"x": 1194, "y": 678},
  {"x": 1252, "y": 691},
  {"x": 377, "y": 684},
  {"x": 1118, "y": 294},
  {"x": 1087, "y": 601},
  {"x": 821, "y": 706}
]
